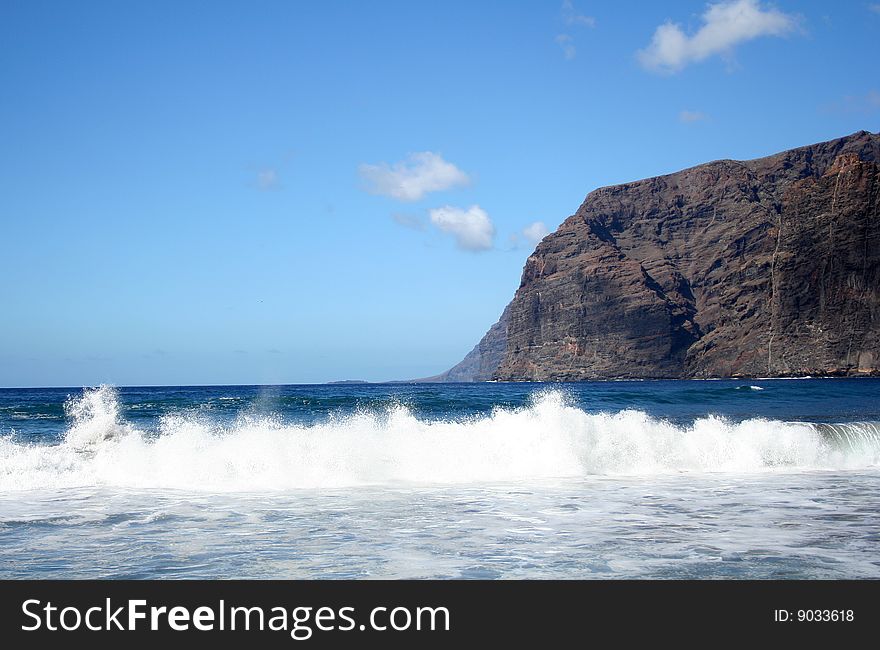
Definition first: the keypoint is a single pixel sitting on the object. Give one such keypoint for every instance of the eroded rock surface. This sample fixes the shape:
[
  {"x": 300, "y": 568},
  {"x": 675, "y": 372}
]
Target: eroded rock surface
[{"x": 767, "y": 267}]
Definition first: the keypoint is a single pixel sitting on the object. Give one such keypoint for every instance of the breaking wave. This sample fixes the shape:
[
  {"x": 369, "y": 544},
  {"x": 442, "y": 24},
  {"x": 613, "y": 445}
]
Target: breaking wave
[{"x": 550, "y": 438}]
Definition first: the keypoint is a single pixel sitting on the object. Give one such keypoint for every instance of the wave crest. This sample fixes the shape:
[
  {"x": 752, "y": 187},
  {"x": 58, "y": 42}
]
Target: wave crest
[{"x": 550, "y": 438}]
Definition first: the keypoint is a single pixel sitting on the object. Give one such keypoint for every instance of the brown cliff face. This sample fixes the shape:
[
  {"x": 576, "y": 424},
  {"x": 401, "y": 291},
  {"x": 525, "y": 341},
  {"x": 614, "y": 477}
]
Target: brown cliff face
[{"x": 769, "y": 267}]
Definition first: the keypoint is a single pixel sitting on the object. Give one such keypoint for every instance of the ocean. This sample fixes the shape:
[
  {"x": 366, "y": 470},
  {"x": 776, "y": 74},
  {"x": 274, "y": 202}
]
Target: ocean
[{"x": 768, "y": 479}]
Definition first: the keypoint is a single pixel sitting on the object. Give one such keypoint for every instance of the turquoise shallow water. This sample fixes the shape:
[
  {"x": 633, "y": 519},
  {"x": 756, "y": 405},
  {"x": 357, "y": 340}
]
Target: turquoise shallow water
[{"x": 733, "y": 479}]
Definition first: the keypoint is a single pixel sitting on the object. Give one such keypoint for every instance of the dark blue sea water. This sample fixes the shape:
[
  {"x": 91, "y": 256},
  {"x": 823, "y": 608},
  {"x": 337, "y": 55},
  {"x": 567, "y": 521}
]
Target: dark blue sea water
[
  {"x": 654, "y": 479},
  {"x": 38, "y": 414}
]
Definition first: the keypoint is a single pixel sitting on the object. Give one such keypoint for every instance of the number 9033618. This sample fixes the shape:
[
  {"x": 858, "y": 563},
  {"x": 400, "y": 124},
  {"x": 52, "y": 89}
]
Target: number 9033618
[{"x": 814, "y": 615}]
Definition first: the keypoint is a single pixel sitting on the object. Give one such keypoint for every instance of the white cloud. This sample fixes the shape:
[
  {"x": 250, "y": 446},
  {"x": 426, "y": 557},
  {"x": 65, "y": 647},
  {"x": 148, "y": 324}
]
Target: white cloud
[
  {"x": 413, "y": 178},
  {"x": 567, "y": 45},
  {"x": 535, "y": 232},
  {"x": 572, "y": 17},
  {"x": 268, "y": 179},
  {"x": 689, "y": 117},
  {"x": 472, "y": 228},
  {"x": 875, "y": 7},
  {"x": 725, "y": 24}
]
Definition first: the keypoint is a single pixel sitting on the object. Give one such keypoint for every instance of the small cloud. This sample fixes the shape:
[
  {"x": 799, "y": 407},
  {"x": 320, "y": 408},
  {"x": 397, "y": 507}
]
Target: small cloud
[
  {"x": 572, "y": 17},
  {"x": 266, "y": 176},
  {"x": 267, "y": 179},
  {"x": 875, "y": 7},
  {"x": 410, "y": 180},
  {"x": 567, "y": 44},
  {"x": 535, "y": 232},
  {"x": 867, "y": 103},
  {"x": 725, "y": 25},
  {"x": 408, "y": 220},
  {"x": 472, "y": 229},
  {"x": 689, "y": 117}
]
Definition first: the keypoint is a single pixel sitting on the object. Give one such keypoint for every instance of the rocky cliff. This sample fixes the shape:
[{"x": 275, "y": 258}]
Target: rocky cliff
[
  {"x": 483, "y": 361},
  {"x": 767, "y": 267}
]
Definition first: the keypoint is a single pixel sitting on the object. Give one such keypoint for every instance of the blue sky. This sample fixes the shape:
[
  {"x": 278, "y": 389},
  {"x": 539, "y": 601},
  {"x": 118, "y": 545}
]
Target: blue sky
[{"x": 284, "y": 192}]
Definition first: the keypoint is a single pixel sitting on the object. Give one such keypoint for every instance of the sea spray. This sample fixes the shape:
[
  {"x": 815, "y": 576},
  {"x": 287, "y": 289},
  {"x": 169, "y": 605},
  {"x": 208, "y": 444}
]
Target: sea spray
[
  {"x": 95, "y": 418},
  {"x": 548, "y": 438}
]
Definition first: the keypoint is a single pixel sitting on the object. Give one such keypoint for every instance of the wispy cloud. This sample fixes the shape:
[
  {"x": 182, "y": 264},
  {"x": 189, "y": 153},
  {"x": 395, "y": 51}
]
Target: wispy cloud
[
  {"x": 472, "y": 229},
  {"x": 875, "y": 7},
  {"x": 413, "y": 178},
  {"x": 268, "y": 175},
  {"x": 535, "y": 232},
  {"x": 567, "y": 44},
  {"x": 406, "y": 220},
  {"x": 867, "y": 103},
  {"x": 725, "y": 25},
  {"x": 689, "y": 117},
  {"x": 268, "y": 179},
  {"x": 572, "y": 17}
]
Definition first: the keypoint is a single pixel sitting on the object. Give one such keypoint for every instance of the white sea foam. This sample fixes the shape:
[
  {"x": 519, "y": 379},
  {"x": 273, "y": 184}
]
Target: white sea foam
[{"x": 547, "y": 439}]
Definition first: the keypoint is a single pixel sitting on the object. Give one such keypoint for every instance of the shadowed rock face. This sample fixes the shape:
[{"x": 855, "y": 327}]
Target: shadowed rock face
[
  {"x": 768, "y": 267},
  {"x": 480, "y": 363}
]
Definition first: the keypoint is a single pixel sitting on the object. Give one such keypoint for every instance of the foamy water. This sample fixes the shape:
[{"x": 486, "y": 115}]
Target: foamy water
[
  {"x": 546, "y": 439},
  {"x": 535, "y": 487}
]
